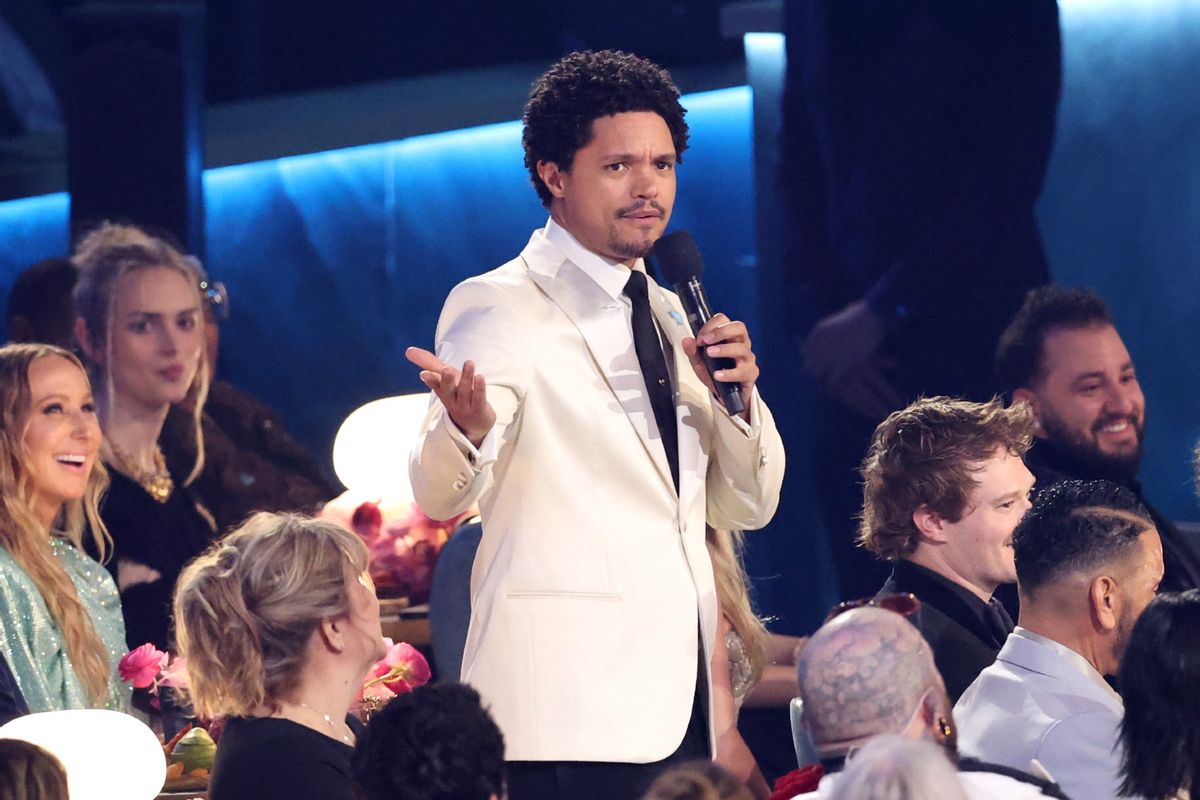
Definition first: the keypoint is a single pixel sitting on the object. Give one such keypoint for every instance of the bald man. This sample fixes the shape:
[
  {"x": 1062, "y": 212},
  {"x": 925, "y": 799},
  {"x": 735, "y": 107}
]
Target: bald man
[{"x": 868, "y": 672}]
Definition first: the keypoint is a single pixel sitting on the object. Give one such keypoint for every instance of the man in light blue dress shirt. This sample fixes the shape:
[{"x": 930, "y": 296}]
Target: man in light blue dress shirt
[{"x": 1089, "y": 561}]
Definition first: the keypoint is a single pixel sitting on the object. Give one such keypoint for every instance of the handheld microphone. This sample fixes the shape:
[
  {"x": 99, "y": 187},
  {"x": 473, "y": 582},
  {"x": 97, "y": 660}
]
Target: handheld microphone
[{"x": 679, "y": 260}]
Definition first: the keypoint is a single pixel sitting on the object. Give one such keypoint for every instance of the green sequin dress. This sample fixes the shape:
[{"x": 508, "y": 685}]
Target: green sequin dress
[{"x": 34, "y": 646}]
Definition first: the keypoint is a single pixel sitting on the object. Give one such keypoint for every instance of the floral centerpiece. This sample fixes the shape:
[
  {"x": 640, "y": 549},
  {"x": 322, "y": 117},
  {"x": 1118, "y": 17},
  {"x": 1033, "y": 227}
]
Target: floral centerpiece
[
  {"x": 404, "y": 542},
  {"x": 190, "y": 753}
]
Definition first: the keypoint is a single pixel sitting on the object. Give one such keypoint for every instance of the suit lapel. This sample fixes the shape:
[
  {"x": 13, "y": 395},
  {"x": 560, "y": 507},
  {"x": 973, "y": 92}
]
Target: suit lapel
[{"x": 601, "y": 323}]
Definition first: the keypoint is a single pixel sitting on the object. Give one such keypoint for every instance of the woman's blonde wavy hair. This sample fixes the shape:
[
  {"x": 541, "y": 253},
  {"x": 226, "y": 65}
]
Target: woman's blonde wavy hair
[
  {"x": 103, "y": 258},
  {"x": 246, "y": 609},
  {"x": 733, "y": 596},
  {"x": 25, "y": 537}
]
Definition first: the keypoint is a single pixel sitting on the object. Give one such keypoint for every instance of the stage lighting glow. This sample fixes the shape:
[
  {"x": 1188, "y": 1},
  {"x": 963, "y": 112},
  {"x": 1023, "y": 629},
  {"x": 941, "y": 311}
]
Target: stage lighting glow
[
  {"x": 766, "y": 49},
  {"x": 370, "y": 451},
  {"x": 1125, "y": 6},
  {"x": 14, "y": 212},
  {"x": 487, "y": 139}
]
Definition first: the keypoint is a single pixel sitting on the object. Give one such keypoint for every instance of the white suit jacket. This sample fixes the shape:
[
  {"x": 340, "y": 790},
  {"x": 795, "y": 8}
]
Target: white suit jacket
[
  {"x": 592, "y": 575},
  {"x": 1041, "y": 700}
]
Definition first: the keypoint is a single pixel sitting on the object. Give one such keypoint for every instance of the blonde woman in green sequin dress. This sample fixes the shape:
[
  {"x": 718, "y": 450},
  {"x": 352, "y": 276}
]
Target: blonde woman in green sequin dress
[{"x": 61, "y": 629}]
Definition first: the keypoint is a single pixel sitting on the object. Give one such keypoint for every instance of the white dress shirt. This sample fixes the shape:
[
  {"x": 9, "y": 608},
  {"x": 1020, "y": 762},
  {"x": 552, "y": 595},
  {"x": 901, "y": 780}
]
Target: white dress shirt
[{"x": 1042, "y": 707}]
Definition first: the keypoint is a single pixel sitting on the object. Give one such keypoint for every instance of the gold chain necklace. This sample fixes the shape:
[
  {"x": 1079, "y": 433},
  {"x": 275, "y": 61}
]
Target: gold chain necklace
[{"x": 158, "y": 484}]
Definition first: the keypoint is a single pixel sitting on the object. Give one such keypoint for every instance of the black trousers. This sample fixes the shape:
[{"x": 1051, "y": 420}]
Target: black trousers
[{"x": 598, "y": 780}]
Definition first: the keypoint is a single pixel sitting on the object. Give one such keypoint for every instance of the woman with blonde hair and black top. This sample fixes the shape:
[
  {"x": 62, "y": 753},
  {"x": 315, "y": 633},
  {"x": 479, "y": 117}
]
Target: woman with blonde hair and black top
[
  {"x": 140, "y": 326},
  {"x": 279, "y": 624},
  {"x": 61, "y": 631}
]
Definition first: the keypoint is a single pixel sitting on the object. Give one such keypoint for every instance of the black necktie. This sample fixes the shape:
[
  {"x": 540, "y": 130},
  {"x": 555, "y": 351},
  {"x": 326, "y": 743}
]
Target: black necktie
[
  {"x": 998, "y": 621},
  {"x": 654, "y": 369}
]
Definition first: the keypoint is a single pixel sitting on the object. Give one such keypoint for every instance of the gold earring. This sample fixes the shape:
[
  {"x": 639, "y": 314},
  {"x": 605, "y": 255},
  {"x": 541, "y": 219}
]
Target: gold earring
[{"x": 945, "y": 728}]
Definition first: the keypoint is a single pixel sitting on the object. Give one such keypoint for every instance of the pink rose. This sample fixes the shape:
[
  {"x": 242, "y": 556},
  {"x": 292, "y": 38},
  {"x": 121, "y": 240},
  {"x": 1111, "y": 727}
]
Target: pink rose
[
  {"x": 408, "y": 668},
  {"x": 401, "y": 670},
  {"x": 142, "y": 665}
]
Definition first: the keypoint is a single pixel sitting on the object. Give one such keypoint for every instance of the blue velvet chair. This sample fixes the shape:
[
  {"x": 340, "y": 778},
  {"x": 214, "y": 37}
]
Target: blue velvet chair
[{"x": 450, "y": 600}]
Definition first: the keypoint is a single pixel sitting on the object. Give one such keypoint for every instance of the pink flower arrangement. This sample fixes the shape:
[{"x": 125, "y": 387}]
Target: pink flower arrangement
[
  {"x": 147, "y": 667},
  {"x": 404, "y": 547},
  {"x": 401, "y": 670},
  {"x": 141, "y": 666}
]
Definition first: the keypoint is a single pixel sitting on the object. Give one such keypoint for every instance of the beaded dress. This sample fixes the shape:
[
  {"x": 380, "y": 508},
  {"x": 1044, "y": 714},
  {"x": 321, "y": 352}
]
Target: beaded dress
[
  {"x": 34, "y": 646},
  {"x": 741, "y": 671}
]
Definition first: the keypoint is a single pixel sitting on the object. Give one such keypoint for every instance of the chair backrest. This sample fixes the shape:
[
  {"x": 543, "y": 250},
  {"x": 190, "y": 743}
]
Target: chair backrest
[
  {"x": 806, "y": 752},
  {"x": 450, "y": 600}
]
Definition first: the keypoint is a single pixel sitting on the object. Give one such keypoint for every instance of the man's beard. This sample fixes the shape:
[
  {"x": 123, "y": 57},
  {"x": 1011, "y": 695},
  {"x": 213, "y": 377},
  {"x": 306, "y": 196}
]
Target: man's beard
[
  {"x": 1123, "y": 632},
  {"x": 1084, "y": 454},
  {"x": 624, "y": 248},
  {"x": 633, "y": 248}
]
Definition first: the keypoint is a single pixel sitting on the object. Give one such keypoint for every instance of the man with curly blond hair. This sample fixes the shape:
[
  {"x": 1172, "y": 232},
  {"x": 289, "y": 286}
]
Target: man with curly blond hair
[{"x": 944, "y": 486}]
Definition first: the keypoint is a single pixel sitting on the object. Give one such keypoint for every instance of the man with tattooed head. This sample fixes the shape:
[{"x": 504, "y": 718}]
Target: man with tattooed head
[{"x": 869, "y": 672}]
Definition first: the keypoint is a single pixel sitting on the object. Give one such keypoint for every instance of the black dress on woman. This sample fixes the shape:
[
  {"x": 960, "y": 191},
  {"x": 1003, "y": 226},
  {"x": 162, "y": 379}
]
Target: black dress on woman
[
  {"x": 162, "y": 536},
  {"x": 276, "y": 759}
]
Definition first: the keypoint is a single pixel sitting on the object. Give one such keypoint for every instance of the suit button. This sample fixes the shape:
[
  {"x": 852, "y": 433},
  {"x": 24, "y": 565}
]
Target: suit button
[{"x": 460, "y": 482}]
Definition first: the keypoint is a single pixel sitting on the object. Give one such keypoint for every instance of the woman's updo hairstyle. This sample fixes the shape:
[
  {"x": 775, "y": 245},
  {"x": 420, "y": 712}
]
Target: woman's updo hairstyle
[{"x": 246, "y": 609}]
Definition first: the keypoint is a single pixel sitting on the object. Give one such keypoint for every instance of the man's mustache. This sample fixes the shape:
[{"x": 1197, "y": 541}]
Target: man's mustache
[{"x": 641, "y": 207}]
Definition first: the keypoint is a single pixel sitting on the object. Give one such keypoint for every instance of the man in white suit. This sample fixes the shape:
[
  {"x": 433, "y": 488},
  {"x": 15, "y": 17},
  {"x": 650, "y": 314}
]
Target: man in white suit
[
  {"x": 1089, "y": 561},
  {"x": 596, "y": 454}
]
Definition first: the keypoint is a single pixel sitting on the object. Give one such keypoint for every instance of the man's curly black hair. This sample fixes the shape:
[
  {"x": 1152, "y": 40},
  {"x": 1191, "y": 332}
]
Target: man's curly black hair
[
  {"x": 434, "y": 743},
  {"x": 1076, "y": 526},
  {"x": 583, "y": 87}
]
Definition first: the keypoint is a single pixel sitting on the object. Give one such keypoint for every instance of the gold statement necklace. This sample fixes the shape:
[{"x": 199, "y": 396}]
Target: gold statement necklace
[{"x": 158, "y": 484}]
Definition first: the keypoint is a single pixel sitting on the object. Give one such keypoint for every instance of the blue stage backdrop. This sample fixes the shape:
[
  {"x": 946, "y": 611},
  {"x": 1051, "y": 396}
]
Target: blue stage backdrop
[{"x": 337, "y": 261}]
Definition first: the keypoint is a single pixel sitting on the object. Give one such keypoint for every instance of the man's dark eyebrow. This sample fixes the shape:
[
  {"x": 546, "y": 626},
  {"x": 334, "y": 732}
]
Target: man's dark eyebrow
[
  {"x": 631, "y": 157},
  {"x": 1084, "y": 376}
]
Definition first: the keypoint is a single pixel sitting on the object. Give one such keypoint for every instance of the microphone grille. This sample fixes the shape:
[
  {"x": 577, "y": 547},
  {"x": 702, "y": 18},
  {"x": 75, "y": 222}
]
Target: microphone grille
[{"x": 677, "y": 257}]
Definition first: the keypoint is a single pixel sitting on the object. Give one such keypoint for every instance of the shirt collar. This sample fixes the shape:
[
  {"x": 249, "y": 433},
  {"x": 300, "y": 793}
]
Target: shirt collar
[
  {"x": 1071, "y": 658},
  {"x": 609, "y": 275}
]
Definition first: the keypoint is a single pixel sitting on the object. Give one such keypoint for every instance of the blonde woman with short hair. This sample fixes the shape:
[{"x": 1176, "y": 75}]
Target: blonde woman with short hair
[{"x": 279, "y": 624}]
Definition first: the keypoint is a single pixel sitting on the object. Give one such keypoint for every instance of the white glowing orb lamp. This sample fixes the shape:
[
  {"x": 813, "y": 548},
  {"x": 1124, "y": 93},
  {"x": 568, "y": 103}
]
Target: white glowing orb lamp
[
  {"x": 108, "y": 755},
  {"x": 370, "y": 451}
]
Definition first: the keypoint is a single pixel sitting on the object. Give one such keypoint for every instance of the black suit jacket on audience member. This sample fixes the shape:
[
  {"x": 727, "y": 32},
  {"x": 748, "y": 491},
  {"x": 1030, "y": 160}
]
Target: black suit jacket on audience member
[
  {"x": 952, "y": 620},
  {"x": 1050, "y": 465}
]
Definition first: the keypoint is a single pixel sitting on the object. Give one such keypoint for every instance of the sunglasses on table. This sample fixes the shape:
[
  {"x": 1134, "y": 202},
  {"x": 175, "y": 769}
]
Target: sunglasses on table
[{"x": 905, "y": 604}]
